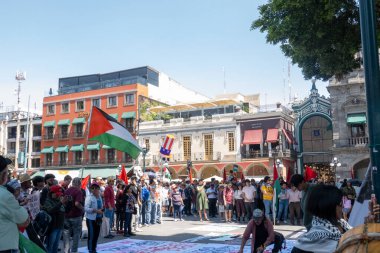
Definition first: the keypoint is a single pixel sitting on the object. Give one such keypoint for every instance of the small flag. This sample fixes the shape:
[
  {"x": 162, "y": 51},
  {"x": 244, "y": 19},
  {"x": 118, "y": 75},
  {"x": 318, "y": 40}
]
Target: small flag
[
  {"x": 191, "y": 177},
  {"x": 123, "y": 174},
  {"x": 166, "y": 147},
  {"x": 86, "y": 182},
  {"x": 108, "y": 131}
]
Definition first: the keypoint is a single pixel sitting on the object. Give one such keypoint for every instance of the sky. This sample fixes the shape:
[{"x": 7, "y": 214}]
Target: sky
[{"x": 191, "y": 41}]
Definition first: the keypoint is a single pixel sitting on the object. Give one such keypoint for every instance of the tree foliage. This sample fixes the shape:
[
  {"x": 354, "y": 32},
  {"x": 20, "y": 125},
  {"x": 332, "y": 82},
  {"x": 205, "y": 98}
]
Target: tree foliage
[
  {"x": 147, "y": 115},
  {"x": 321, "y": 36}
]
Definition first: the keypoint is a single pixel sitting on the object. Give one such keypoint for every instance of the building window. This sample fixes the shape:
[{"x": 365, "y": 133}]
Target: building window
[
  {"x": 36, "y": 146},
  {"x": 64, "y": 132},
  {"x": 51, "y": 109},
  {"x": 127, "y": 158},
  {"x": 78, "y": 157},
  {"x": 112, "y": 101},
  {"x": 12, "y": 132},
  {"x": 37, "y": 130},
  {"x": 187, "y": 148},
  {"x": 65, "y": 108},
  {"x": 94, "y": 156},
  {"x": 231, "y": 141},
  {"x": 147, "y": 144},
  {"x": 22, "y": 132},
  {"x": 12, "y": 147},
  {"x": 80, "y": 106},
  {"x": 49, "y": 133},
  {"x": 49, "y": 159},
  {"x": 209, "y": 147},
  {"x": 111, "y": 155},
  {"x": 78, "y": 130},
  {"x": 358, "y": 130},
  {"x": 36, "y": 162},
  {"x": 129, "y": 124},
  {"x": 62, "y": 158},
  {"x": 129, "y": 99},
  {"x": 96, "y": 102}
]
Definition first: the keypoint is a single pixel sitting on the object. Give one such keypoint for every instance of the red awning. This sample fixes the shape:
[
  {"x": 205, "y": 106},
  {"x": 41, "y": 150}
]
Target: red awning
[
  {"x": 272, "y": 135},
  {"x": 288, "y": 136},
  {"x": 253, "y": 136}
]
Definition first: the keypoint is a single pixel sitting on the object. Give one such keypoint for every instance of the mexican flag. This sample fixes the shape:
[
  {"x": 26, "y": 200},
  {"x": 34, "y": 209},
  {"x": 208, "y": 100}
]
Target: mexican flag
[{"x": 108, "y": 131}]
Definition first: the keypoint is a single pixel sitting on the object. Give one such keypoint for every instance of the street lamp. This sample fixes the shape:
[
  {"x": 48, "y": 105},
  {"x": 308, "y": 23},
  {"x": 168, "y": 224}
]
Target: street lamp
[
  {"x": 20, "y": 77},
  {"x": 334, "y": 164},
  {"x": 145, "y": 150}
]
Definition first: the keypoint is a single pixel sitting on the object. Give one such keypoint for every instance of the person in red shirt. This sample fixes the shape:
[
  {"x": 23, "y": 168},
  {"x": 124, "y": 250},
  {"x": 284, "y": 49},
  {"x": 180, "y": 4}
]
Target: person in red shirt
[
  {"x": 228, "y": 196},
  {"x": 109, "y": 203}
]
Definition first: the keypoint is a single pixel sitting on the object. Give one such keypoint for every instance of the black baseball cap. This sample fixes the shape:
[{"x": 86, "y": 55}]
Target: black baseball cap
[{"x": 4, "y": 162}]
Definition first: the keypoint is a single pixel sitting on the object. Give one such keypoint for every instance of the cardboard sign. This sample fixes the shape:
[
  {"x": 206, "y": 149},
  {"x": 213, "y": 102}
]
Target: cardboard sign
[{"x": 33, "y": 205}]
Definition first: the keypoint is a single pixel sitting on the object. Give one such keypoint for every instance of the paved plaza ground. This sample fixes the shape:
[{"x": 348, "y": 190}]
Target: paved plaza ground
[{"x": 190, "y": 235}]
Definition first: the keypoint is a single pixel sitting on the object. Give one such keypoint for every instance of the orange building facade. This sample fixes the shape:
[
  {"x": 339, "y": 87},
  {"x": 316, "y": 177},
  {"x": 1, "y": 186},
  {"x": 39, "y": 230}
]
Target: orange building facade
[{"x": 65, "y": 127}]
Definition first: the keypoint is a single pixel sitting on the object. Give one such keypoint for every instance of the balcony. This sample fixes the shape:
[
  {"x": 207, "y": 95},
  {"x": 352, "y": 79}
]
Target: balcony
[
  {"x": 358, "y": 142},
  {"x": 254, "y": 154},
  {"x": 76, "y": 162},
  {"x": 78, "y": 134},
  {"x": 49, "y": 136},
  {"x": 12, "y": 136},
  {"x": 63, "y": 163},
  {"x": 63, "y": 136}
]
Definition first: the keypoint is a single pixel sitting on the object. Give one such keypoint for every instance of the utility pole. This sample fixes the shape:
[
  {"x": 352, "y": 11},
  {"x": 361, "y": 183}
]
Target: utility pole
[
  {"x": 26, "y": 155},
  {"x": 20, "y": 76},
  {"x": 372, "y": 82}
]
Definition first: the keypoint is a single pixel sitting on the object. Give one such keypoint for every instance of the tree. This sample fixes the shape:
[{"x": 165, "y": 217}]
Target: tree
[{"x": 320, "y": 36}]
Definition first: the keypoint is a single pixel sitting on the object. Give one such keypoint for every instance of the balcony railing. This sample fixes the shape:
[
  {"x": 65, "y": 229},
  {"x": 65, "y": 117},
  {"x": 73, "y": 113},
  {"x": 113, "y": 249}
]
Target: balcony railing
[
  {"x": 257, "y": 154},
  {"x": 48, "y": 136},
  {"x": 11, "y": 136},
  {"x": 63, "y": 136},
  {"x": 78, "y": 134},
  {"x": 358, "y": 141},
  {"x": 75, "y": 162}
]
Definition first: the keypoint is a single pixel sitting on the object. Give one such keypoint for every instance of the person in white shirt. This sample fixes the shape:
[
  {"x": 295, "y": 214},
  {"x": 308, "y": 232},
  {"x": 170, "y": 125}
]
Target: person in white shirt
[
  {"x": 294, "y": 204},
  {"x": 212, "y": 198},
  {"x": 239, "y": 203},
  {"x": 248, "y": 193}
]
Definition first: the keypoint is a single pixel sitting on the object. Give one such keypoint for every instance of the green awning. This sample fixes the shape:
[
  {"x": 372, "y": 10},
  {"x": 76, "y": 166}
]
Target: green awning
[
  {"x": 101, "y": 172},
  {"x": 79, "y": 121},
  {"x": 64, "y": 122},
  {"x": 106, "y": 147},
  {"x": 95, "y": 146},
  {"x": 62, "y": 149},
  {"x": 49, "y": 123},
  {"x": 76, "y": 148},
  {"x": 47, "y": 150},
  {"x": 128, "y": 115},
  {"x": 114, "y": 115},
  {"x": 358, "y": 118},
  {"x": 39, "y": 173}
]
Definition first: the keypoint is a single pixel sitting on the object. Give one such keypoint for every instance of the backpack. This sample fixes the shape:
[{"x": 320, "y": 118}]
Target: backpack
[
  {"x": 145, "y": 194},
  {"x": 279, "y": 241},
  {"x": 41, "y": 223}
]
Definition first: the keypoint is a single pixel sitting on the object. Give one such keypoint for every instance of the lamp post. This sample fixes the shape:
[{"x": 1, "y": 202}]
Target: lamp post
[
  {"x": 145, "y": 150},
  {"x": 20, "y": 77},
  {"x": 334, "y": 164}
]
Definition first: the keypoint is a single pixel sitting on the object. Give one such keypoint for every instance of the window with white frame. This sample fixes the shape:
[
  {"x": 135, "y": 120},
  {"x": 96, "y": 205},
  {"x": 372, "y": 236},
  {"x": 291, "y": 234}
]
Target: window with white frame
[
  {"x": 51, "y": 109},
  {"x": 65, "y": 107},
  {"x": 231, "y": 141},
  {"x": 129, "y": 99},
  {"x": 80, "y": 105},
  {"x": 96, "y": 102},
  {"x": 112, "y": 101}
]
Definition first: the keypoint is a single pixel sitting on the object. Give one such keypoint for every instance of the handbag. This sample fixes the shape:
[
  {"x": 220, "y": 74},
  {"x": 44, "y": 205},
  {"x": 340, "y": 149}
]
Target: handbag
[{"x": 99, "y": 221}]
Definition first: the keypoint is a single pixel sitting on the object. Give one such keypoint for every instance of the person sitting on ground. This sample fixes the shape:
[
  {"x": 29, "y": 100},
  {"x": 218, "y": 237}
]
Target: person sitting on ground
[
  {"x": 327, "y": 224},
  {"x": 262, "y": 232}
]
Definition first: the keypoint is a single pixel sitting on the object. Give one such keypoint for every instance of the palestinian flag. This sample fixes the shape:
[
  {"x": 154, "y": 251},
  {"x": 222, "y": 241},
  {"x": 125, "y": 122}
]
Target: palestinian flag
[{"x": 108, "y": 131}]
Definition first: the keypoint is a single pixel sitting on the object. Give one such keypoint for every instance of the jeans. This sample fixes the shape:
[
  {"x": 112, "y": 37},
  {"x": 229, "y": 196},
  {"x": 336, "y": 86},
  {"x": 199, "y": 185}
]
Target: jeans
[
  {"x": 137, "y": 217},
  {"x": 120, "y": 220},
  {"x": 187, "y": 203},
  {"x": 53, "y": 240},
  {"x": 283, "y": 209},
  {"x": 148, "y": 208},
  {"x": 212, "y": 211},
  {"x": 268, "y": 208},
  {"x": 93, "y": 235},
  {"x": 295, "y": 207},
  {"x": 240, "y": 212},
  {"x": 109, "y": 214},
  {"x": 153, "y": 213},
  {"x": 72, "y": 226},
  {"x": 128, "y": 223},
  {"x": 248, "y": 210},
  {"x": 158, "y": 212},
  {"x": 177, "y": 210}
]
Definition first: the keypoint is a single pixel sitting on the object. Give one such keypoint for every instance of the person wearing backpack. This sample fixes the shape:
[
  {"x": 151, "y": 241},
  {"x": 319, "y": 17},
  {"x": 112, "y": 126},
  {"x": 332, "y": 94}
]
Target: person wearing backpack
[{"x": 73, "y": 216}]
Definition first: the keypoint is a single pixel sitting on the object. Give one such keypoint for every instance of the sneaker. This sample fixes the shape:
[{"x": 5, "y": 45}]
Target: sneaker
[
  {"x": 138, "y": 230},
  {"x": 140, "y": 226},
  {"x": 175, "y": 220},
  {"x": 159, "y": 222},
  {"x": 146, "y": 225},
  {"x": 132, "y": 234},
  {"x": 182, "y": 220},
  {"x": 285, "y": 222}
]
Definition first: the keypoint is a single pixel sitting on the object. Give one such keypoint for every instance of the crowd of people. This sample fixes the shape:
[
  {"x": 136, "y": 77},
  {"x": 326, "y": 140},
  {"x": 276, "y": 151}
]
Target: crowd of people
[{"x": 142, "y": 202}]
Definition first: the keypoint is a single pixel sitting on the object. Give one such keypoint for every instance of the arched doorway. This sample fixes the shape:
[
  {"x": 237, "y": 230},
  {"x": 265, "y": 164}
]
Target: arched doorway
[
  {"x": 360, "y": 169},
  {"x": 209, "y": 171},
  {"x": 183, "y": 173},
  {"x": 257, "y": 170},
  {"x": 230, "y": 167},
  {"x": 316, "y": 137}
]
